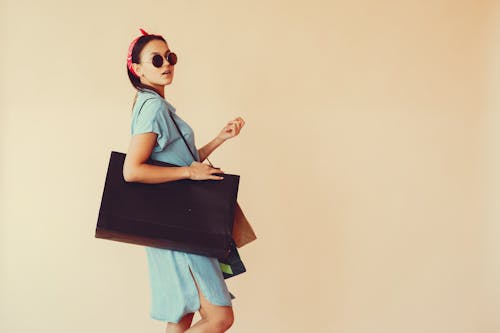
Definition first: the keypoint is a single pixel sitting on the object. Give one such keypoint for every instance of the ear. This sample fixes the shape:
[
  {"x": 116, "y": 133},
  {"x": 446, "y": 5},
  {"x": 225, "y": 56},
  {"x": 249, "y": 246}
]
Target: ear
[{"x": 137, "y": 68}]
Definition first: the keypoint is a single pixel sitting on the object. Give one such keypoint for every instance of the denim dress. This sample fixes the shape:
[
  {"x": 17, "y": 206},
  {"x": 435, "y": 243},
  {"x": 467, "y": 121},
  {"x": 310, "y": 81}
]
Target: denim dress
[{"x": 173, "y": 291}]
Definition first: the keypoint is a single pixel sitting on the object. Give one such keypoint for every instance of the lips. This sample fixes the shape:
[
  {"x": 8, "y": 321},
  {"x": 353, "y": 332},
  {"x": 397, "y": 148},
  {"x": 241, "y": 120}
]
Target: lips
[{"x": 166, "y": 72}]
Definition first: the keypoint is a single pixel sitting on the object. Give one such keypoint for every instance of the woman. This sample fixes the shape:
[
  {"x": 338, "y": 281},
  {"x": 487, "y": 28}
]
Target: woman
[{"x": 181, "y": 283}]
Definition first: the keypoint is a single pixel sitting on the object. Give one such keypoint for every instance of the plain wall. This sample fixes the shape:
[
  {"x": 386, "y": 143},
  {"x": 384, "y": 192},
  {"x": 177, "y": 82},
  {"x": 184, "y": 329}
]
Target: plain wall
[
  {"x": 368, "y": 160},
  {"x": 491, "y": 176}
]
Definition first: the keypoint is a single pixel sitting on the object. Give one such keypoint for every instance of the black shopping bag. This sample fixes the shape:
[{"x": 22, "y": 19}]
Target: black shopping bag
[{"x": 194, "y": 216}]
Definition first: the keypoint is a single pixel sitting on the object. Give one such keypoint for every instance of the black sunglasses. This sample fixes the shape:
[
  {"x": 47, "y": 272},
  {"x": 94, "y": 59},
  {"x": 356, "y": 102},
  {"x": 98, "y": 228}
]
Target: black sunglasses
[{"x": 157, "y": 60}]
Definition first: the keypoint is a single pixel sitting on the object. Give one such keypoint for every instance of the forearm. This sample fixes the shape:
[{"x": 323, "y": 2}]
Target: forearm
[
  {"x": 154, "y": 174},
  {"x": 207, "y": 149}
]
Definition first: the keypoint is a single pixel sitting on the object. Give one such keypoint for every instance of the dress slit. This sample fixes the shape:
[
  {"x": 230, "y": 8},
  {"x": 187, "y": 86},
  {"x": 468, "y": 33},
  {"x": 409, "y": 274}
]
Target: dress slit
[{"x": 198, "y": 287}]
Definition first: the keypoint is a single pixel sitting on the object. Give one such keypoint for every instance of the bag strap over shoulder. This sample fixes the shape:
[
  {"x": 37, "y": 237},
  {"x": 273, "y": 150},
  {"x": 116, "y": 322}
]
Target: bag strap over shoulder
[{"x": 180, "y": 133}]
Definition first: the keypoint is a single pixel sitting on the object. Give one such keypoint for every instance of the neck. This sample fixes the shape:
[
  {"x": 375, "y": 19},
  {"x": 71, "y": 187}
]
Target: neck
[{"x": 160, "y": 90}]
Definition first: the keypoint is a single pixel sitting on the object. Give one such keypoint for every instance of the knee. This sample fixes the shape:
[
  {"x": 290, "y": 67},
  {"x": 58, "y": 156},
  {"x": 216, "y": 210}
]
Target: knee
[{"x": 223, "y": 323}]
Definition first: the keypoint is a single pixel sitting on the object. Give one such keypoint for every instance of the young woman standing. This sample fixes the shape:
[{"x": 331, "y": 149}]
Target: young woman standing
[{"x": 181, "y": 283}]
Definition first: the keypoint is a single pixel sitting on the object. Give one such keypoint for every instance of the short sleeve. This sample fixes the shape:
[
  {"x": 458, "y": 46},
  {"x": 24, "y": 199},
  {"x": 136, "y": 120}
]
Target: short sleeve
[{"x": 153, "y": 118}]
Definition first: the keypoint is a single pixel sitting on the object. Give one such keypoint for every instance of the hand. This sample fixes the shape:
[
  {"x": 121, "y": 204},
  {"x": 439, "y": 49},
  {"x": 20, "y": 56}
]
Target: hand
[
  {"x": 201, "y": 171},
  {"x": 232, "y": 129}
]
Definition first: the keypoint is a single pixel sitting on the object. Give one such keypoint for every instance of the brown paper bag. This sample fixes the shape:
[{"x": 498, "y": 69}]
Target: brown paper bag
[{"x": 242, "y": 230}]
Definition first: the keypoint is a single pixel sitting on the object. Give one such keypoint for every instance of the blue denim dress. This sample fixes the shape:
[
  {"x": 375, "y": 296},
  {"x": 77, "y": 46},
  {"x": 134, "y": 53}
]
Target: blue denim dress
[{"x": 173, "y": 291}]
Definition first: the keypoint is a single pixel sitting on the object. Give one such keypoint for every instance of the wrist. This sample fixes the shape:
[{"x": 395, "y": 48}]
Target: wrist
[
  {"x": 187, "y": 172},
  {"x": 219, "y": 140}
]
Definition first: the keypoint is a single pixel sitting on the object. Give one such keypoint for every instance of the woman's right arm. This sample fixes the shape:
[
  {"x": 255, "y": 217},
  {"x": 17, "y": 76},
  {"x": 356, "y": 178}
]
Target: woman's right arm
[{"x": 136, "y": 170}]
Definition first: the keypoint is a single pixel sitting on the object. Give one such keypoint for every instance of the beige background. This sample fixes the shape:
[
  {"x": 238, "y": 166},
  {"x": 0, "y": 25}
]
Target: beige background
[{"x": 369, "y": 159}]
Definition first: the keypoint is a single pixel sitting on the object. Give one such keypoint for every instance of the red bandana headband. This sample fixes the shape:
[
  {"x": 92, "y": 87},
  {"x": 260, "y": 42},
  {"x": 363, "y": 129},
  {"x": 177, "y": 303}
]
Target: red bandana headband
[{"x": 130, "y": 48}]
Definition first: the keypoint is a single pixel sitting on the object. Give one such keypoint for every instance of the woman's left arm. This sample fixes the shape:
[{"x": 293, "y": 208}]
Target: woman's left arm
[{"x": 229, "y": 131}]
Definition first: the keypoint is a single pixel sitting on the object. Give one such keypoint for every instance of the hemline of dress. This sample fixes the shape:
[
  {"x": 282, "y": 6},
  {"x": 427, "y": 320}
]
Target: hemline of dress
[{"x": 163, "y": 319}]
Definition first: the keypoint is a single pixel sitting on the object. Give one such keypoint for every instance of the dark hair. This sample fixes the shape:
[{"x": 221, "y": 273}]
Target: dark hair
[{"x": 136, "y": 51}]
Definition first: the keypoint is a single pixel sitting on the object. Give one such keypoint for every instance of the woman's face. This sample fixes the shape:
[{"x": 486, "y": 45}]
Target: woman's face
[{"x": 150, "y": 74}]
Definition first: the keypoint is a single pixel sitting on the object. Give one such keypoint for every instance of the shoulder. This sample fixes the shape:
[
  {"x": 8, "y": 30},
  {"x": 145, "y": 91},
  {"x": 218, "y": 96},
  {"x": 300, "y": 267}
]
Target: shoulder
[
  {"x": 148, "y": 93},
  {"x": 150, "y": 98},
  {"x": 148, "y": 103}
]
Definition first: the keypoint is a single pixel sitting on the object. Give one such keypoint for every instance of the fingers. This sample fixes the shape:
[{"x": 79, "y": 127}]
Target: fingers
[
  {"x": 234, "y": 126},
  {"x": 231, "y": 128},
  {"x": 212, "y": 170},
  {"x": 238, "y": 121},
  {"x": 216, "y": 170},
  {"x": 201, "y": 171}
]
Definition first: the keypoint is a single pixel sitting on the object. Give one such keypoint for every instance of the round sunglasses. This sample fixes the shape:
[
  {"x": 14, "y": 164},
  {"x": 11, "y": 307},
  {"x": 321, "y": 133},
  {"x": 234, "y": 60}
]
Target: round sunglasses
[{"x": 157, "y": 60}]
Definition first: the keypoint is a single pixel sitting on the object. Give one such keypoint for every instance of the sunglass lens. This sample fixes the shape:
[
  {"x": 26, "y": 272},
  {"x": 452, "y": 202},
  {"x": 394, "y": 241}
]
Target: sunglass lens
[
  {"x": 172, "y": 58},
  {"x": 157, "y": 61}
]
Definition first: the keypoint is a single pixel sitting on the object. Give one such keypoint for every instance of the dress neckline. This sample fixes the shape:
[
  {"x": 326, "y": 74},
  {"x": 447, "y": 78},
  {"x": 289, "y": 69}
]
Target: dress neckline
[{"x": 169, "y": 105}]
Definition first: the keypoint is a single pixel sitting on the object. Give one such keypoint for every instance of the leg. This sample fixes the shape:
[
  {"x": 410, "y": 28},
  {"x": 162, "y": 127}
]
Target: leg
[
  {"x": 182, "y": 325},
  {"x": 215, "y": 318}
]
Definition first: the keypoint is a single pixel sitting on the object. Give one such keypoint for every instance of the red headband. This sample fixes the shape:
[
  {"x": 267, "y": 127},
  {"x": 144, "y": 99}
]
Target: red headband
[{"x": 129, "y": 55}]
